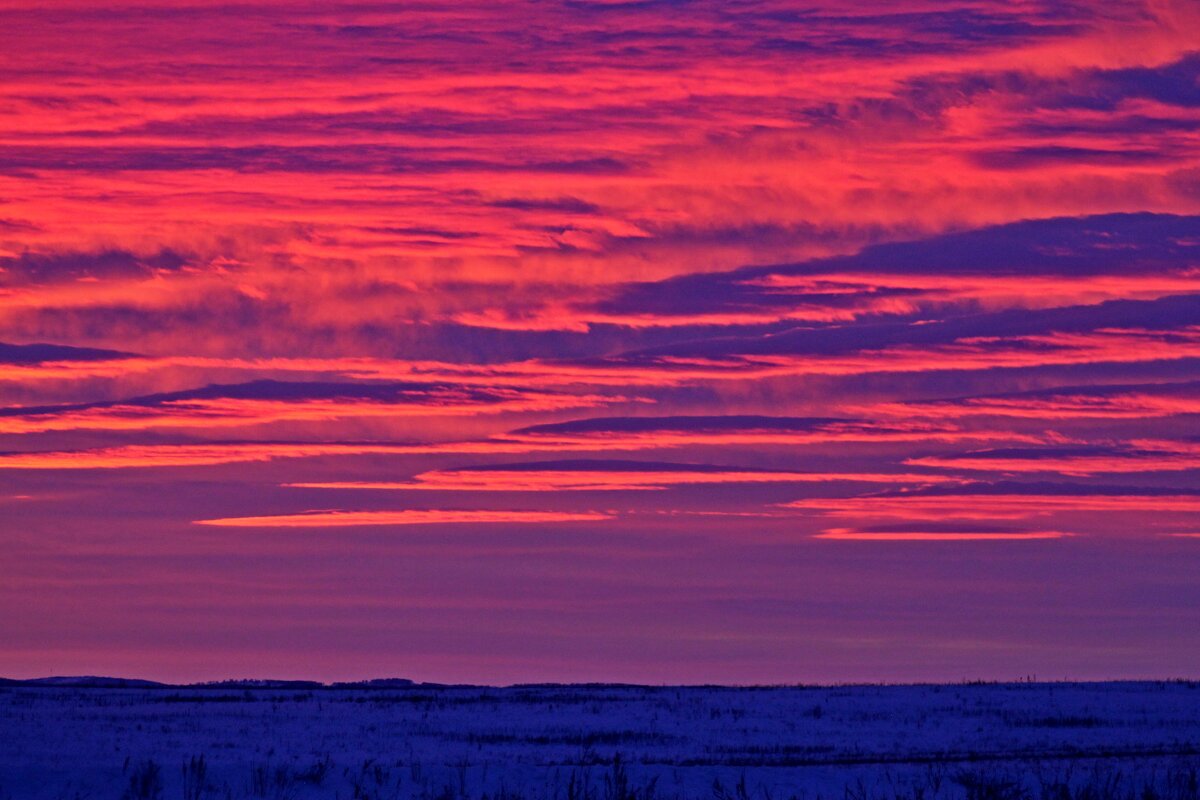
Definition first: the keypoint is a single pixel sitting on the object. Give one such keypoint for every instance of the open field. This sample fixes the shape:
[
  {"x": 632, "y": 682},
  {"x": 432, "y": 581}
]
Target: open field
[{"x": 1061, "y": 741}]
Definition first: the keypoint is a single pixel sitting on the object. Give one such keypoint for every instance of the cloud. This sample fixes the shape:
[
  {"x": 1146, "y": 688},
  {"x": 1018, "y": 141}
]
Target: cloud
[
  {"x": 272, "y": 401},
  {"x": 1173, "y": 83},
  {"x": 57, "y": 267},
  {"x": 342, "y": 519},
  {"x": 1028, "y": 264},
  {"x": 1108, "y": 401},
  {"x": 608, "y": 475},
  {"x": 192, "y": 454},
  {"x": 319, "y": 160},
  {"x": 1038, "y": 157},
  {"x": 1116, "y": 332},
  {"x": 933, "y": 532},
  {"x": 156, "y": 456},
  {"x": 43, "y": 355},
  {"x": 733, "y": 429},
  {"x": 1003, "y": 501},
  {"x": 1073, "y": 460}
]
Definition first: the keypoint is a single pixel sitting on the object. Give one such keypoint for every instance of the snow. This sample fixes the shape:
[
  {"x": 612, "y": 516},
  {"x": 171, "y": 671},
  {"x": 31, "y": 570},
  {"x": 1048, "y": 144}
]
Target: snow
[{"x": 453, "y": 742}]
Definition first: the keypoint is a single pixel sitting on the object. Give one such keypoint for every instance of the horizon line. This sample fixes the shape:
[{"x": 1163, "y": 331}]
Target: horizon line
[{"x": 395, "y": 683}]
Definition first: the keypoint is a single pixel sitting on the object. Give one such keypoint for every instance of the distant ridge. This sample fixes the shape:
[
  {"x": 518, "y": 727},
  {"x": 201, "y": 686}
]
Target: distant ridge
[
  {"x": 105, "y": 682},
  {"x": 88, "y": 682}
]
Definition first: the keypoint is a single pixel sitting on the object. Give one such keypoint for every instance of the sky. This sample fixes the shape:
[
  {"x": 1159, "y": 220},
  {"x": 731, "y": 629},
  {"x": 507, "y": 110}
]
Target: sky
[{"x": 668, "y": 341}]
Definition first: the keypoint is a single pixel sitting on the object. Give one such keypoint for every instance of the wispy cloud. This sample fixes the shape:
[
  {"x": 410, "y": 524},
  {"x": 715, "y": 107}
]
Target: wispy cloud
[
  {"x": 343, "y": 519},
  {"x": 1004, "y": 502},
  {"x": 1074, "y": 460},
  {"x": 1135, "y": 401},
  {"x": 272, "y": 401},
  {"x": 610, "y": 475},
  {"x": 934, "y": 534}
]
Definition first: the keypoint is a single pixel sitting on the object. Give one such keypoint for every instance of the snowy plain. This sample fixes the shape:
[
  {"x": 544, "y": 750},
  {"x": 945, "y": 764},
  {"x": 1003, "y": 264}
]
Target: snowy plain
[{"x": 601, "y": 742}]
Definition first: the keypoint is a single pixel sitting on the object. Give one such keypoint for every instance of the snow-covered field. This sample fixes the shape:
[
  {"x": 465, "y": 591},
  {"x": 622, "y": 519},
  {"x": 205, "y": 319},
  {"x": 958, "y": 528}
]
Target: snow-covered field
[{"x": 602, "y": 742}]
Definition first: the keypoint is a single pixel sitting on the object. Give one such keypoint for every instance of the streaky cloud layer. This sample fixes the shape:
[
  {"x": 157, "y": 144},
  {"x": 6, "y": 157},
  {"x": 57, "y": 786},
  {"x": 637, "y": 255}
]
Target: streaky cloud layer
[
  {"x": 853, "y": 534},
  {"x": 611, "y": 475},
  {"x": 748, "y": 330},
  {"x": 341, "y": 519}
]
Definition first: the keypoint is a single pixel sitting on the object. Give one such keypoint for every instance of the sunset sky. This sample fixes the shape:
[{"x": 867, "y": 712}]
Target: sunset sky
[{"x": 658, "y": 341}]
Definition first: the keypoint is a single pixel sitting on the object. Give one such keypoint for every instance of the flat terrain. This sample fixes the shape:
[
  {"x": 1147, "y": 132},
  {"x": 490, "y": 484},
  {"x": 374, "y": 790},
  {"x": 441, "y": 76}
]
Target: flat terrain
[{"x": 603, "y": 742}]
